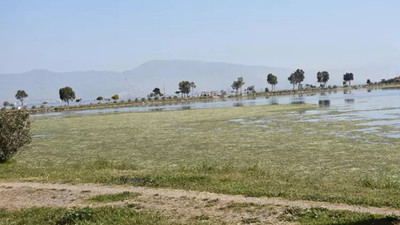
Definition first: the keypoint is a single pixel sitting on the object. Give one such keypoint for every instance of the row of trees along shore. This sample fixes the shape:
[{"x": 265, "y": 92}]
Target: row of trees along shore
[{"x": 67, "y": 94}]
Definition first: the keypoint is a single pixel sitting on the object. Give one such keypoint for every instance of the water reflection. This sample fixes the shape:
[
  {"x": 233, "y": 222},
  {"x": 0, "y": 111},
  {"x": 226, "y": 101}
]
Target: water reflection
[
  {"x": 324, "y": 103},
  {"x": 186, "y": 107},
  {"x": 237, "y": 104},
  {"x": 346, "y": 91},
  {"x": 297, "y": 100},
  {"x": 349, "y": 100},
  {"x": 301, "y": 112},
  {"x": 155, "y": 109},
  {"x": 273, "y": 101}
]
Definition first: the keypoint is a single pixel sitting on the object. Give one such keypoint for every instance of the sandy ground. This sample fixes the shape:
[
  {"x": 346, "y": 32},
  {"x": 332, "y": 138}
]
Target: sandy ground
[{"x": 176, "y": 205}]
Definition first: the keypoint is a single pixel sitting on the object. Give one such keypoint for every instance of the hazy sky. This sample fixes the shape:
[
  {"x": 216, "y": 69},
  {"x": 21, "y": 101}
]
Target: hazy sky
[{"x": 119, "y": 35}]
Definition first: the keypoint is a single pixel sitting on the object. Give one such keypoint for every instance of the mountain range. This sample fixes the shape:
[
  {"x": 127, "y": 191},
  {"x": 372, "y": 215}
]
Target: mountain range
[{"x": 43, "y": 85}]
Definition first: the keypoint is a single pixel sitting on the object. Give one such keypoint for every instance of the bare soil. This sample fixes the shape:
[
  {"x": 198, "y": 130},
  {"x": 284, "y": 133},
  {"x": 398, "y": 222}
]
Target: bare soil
[{"x": 177, "y": 205}]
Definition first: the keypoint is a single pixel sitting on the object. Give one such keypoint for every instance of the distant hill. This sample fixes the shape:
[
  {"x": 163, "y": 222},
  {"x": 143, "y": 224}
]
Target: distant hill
[{"x": 44, "y": 85}]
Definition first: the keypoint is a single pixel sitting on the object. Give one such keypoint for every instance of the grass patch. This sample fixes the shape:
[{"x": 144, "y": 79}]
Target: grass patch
[
  {"x": 87, "y": 216},
  {"x": 320, "y": 216},
  {"x": 114, "y": 197}
]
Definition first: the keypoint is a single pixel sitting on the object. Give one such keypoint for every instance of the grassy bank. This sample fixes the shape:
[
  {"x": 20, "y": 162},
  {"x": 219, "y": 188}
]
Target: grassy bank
[
  {"x": 62, "y": 216},
  {"x": 125, "y": 215},
  {"x": 256, "y": 151}
]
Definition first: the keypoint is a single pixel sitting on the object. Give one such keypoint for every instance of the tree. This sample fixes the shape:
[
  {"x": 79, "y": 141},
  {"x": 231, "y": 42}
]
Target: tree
[
  {"x": 78, "y": 100},
  {"x": 21, "y": 94},
  {"x": 368, "y": 81},
  {"x": 323, "y": 77},
  {"x": 15, "y": 133},
  {"x": 115, "y": 97},
  {"x": 348, "y": 77},
  {"x": 292, "y": 80},
  {"x": 296, "y": 78},
  {"x": 272, "y": 80},
  {"x": 184, "y": 87},
  {"x": 192, "y": 86},
  {"x": 66, "y": 94},
  {"x": 6, "y": 103},
  {"x": 157, "y": 92},
  {"x": 250, "y": 89},
  {"x": 237, "y": 85},
  {"x": 100, "y": 98}
]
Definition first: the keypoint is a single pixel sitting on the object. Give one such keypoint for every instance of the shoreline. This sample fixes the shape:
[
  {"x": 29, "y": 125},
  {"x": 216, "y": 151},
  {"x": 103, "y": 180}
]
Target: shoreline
[{"x": 177, "y": 101}]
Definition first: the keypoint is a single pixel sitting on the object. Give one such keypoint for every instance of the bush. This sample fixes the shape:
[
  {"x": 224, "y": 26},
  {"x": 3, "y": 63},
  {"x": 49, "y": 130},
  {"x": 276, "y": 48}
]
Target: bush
[
  {"x": 75, "y": 216},
  {"x": 14, "y": 133}
]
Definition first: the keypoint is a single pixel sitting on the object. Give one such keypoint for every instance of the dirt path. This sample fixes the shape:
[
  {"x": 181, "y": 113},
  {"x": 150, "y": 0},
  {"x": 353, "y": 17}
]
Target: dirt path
[{"x": 180, "y": 205}]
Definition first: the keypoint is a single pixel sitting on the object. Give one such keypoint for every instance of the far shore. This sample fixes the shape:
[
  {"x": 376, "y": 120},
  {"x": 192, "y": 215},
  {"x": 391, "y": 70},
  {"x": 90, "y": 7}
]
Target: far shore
[{"x": 180, "y": 100}]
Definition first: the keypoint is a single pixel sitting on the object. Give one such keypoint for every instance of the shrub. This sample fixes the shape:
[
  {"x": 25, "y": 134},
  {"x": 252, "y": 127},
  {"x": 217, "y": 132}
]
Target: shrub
[
  {"x": 14, "y": 133},
  {"x": 33, "y": 107},
  {"x": 75, "y": 216}
]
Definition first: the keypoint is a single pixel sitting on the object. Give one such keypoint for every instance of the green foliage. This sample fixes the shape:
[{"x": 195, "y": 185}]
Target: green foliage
[
  {"x": 21, "y": 95},
  {"x": 114, "y": 197},
  {"x": 157, "y": 92},
  {"x": 250, "y": 89},
  {"x": 323, "y": 77},
  {"x": 184, "y": 87},
  {"x": 66, "y": 94},
  {"x": 237, "y": 85},
  {"x": 6, "y": 103},
  {"x": 75, "y": 216},
  {"x": 99, "y": 98},
  {"x": 14, "y": 133},
  {"x": 115, "y": 97},
  {"x": 348, "y": 77},
  {"x": 272, "y": 80},
  {"x": 296, "y": 78}
]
